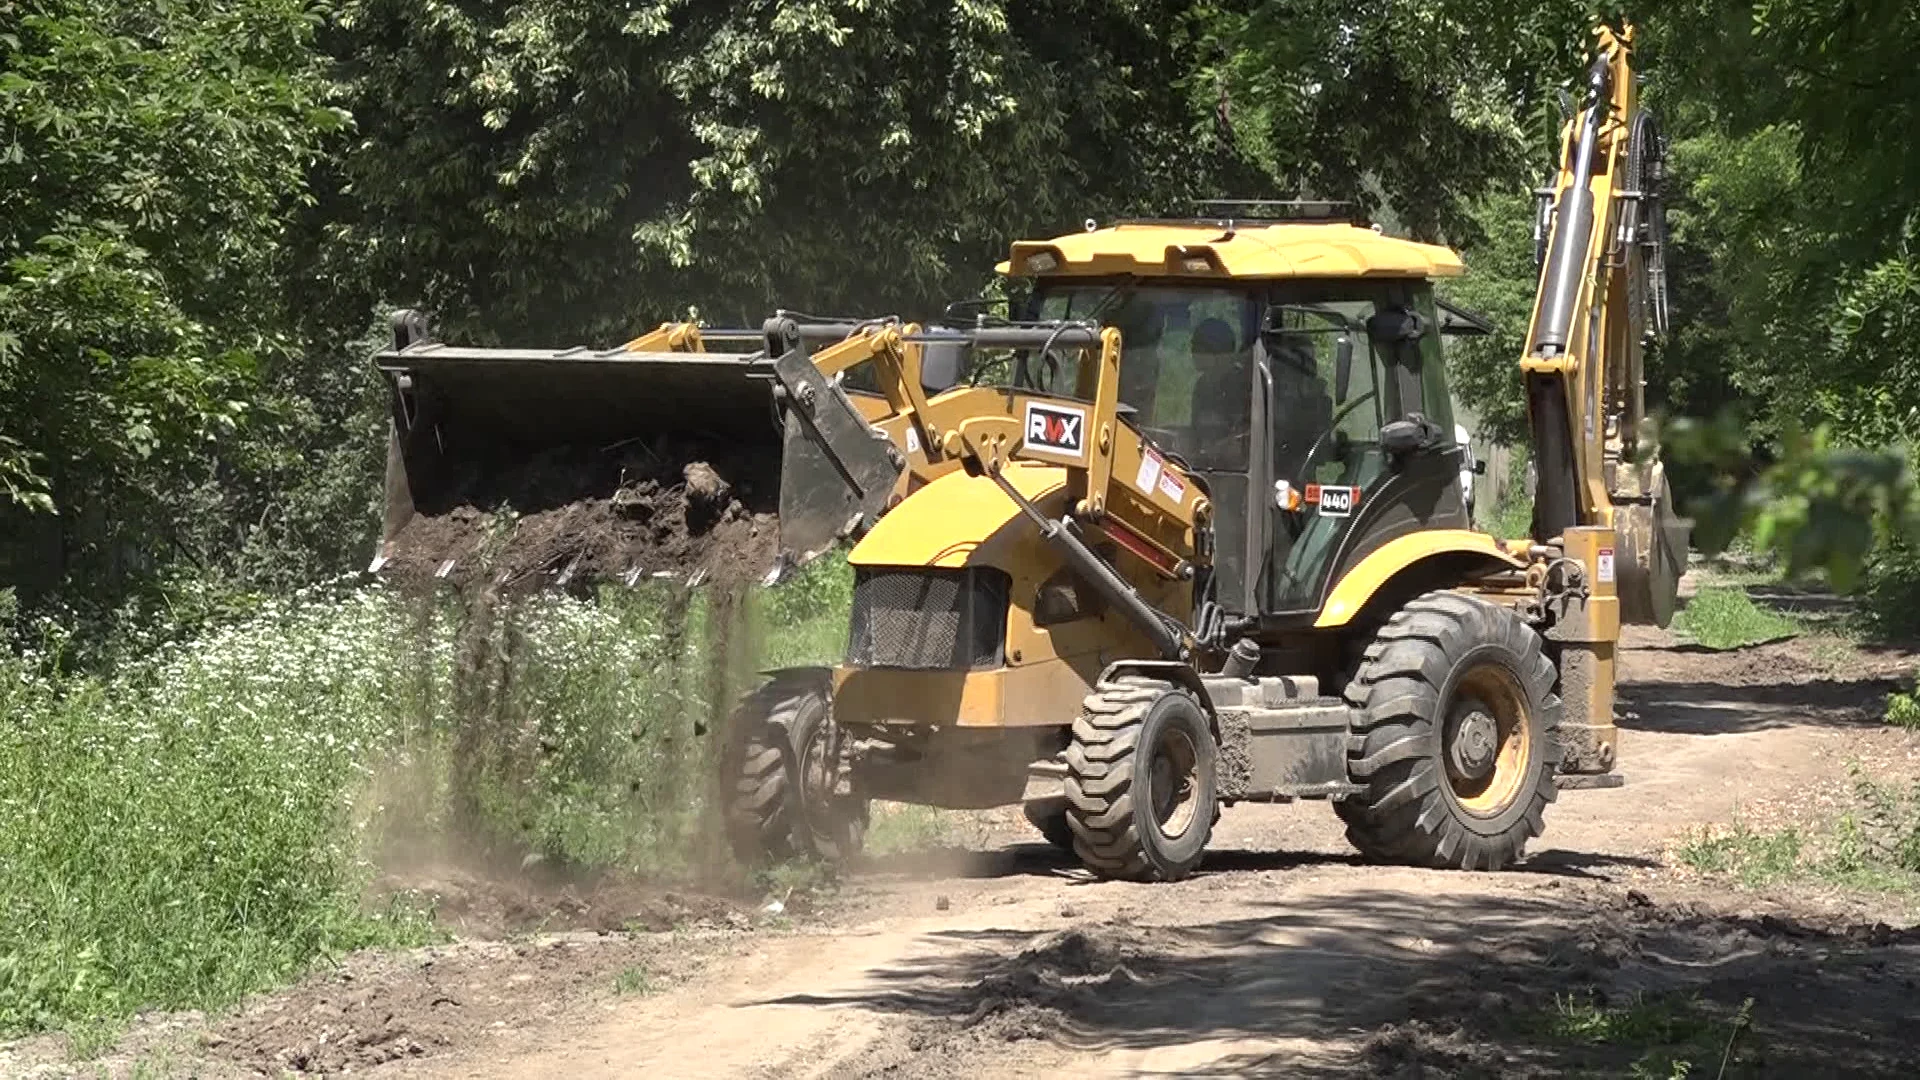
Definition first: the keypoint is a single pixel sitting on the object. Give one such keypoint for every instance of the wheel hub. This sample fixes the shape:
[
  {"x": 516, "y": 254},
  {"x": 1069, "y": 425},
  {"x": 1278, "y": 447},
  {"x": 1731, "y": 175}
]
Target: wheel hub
[{"x": 1475, "y": 738}]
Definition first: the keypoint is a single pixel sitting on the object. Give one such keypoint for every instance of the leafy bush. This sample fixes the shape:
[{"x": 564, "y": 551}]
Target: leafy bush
[
  {"x": 175, "y": 835},
  {"x": 1890, "y": 599},
  {"x": 1903, "y": 710},
  {"x": 204, "y": 822}
]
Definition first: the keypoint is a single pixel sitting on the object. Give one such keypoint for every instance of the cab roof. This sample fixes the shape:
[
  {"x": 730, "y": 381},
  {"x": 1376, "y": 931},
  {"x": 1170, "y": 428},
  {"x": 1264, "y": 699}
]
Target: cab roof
[{"x": 1231, "y": 249}]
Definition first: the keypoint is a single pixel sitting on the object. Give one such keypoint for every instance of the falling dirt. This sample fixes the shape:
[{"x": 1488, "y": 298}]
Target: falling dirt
[{"x": 572, "y": 516}]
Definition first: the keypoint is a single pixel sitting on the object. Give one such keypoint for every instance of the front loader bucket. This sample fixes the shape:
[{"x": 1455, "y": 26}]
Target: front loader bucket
[
  {"x": 537, "y": 466},
  {"x": 533, "y": 463}
]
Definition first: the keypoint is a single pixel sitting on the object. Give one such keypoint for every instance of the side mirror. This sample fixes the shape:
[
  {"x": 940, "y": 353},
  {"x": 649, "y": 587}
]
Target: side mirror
[
  {"x": 943, "y": 366},
  {"x": 1479, "y": 468},
  {"x": 1402, "y": 437},
  {"x": 1392, "y": 326},
  {"x": 1342, "y": 366}
]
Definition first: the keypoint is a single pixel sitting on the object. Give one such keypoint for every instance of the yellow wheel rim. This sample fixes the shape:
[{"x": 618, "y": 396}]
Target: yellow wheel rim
[{"x": 1487, "y": 740}]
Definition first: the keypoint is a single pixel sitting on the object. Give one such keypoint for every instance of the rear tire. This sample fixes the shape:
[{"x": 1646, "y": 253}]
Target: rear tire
[
  {"x": 778, "y": 775},
  {"x": 1141, "y": 790},
  {"x": 1454, "y": 737}
]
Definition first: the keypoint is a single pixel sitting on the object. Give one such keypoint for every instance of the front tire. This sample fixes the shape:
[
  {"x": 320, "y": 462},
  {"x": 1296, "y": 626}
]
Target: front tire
[
  {"x": 1141, "y": 790},
  {"x": 1454, "y": 737},
  {"x": 780, "y": 775}
]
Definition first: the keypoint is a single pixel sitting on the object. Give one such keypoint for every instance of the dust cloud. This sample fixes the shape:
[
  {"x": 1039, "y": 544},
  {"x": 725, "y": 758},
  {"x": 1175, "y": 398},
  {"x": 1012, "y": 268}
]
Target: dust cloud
[{"x": 567, "y": 781}]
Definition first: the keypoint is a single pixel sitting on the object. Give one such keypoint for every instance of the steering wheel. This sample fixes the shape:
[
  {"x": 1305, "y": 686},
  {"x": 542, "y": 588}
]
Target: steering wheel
[{"x": 1333, "y": 428}]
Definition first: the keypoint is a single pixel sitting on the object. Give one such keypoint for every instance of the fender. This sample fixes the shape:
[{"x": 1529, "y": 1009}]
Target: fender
[
  {"x": 1173, "y": 671},
  {"x": 1358, "y": 585},
  {"x": 804, "y": 678}
]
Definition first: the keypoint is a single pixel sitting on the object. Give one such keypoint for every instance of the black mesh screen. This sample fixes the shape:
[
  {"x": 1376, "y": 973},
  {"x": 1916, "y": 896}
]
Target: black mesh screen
[{"x": 928, "y": 619}]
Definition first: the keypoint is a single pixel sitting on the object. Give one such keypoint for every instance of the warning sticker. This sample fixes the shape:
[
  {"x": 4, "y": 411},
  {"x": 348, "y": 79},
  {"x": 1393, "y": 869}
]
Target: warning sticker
[
  {"x": 1149, "y": 472},
  {"x": 1337, "y": 501},
  {"x": 913, "y": 439},
  {"x": 1604, "y": 569},
  {"x": 1058, "y": 430},
  {"x": 1172, "y": 486}
]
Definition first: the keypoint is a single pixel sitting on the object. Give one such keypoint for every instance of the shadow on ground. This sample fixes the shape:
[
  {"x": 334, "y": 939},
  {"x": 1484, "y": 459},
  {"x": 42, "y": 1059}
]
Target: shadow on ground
[
  {"x": 1394, "y": 984},
  {"x": 1708, "y": 708},
  {"x": 1044, "y": 860}
]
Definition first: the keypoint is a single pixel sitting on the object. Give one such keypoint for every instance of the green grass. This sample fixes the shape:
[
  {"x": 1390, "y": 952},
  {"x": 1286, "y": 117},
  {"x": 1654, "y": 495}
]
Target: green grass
[
  {"x": 1670, "y": 1035},
  {"x": 1725, "y": 617},
  {"x": 632, "y": 981},
  {"x": 1873, "y": 846},
  {"x": 204, "y": 822},
  {"x": 1753, "y": 857},
  {"x": 900, "y": 828}
]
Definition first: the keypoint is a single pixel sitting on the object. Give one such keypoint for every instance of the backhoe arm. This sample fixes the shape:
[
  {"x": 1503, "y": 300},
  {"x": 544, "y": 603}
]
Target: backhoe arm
[{"x": 1602, "y": 298}]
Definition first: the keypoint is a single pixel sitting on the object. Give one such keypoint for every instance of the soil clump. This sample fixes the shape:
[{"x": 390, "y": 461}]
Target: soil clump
[{"x": 574, "y": 515}]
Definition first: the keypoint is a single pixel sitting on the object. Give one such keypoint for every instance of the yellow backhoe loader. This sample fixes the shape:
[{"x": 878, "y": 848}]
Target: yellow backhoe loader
[{"x": 1188, "y": 531}]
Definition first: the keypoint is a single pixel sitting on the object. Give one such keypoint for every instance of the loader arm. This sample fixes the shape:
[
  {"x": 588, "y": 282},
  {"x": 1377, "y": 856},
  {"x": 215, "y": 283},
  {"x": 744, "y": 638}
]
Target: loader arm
[
  {"x": 1601, "y": 301},
  {"x": 842, "y": 470}
]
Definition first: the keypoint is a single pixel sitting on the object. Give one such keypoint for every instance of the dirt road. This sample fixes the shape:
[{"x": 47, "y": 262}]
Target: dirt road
[{"x": 1285, "y": 957}]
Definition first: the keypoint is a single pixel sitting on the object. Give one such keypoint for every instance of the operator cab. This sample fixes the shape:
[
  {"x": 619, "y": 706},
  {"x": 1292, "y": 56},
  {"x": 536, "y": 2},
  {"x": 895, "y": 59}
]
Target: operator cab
[{"x": 1314, "y": 408}]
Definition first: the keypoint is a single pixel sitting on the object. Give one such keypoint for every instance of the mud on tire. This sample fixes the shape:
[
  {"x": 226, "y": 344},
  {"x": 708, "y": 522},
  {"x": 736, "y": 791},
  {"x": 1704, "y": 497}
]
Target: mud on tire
[
  {"x": 1454, "y": 736},
  {"x": 1140, "y": 781},
  {"x": 778, "y": 733}
]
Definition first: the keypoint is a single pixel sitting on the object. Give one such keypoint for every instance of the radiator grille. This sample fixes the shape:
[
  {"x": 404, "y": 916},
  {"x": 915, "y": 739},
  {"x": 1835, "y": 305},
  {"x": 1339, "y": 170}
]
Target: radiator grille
[{"x": 928, "y": 619}]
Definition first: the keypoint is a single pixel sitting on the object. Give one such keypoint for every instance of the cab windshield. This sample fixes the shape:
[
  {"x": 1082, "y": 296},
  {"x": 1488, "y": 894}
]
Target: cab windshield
[{"x": 1186, "y": 362}]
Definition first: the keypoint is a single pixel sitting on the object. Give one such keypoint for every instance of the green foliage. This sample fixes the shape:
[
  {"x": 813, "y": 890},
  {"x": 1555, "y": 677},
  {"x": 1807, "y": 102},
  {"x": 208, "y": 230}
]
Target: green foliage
[
  {"x": 1903, "y": 710},
  {"x": 804, "y": 618},
  {"x": 204, "y": 821},
  {"x": 561, "y": 170},
  {"x": 1818, "y": 504},
  {"x": 1754, "y": 857},
  {"x": 632, "y": 980},
  {"x": 1642, "y": 1019},
  {"x": 1414, "y": 112},
  {"x": 1725, "y": 617},
  {"x": 1795, "y": 224},
  {"x": 1873, "y": 846},
  {"x": 1890, "y": 591},
  {"x": 149, "y": 155},
  {"x": 1668, "y": 1032},
  {"x": 1484, "y": 372},
  {"x": 1511, "y": 517},
  {"x": 176, "y": 834}
]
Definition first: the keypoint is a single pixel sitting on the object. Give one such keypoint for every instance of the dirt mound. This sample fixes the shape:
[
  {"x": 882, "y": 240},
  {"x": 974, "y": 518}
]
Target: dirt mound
[
  {"x": 496, "y": 905},
  {"x": 573, "y": 515},
  {"x": 1037, "y": 991},
  {"x": 379, "y": 1008}
]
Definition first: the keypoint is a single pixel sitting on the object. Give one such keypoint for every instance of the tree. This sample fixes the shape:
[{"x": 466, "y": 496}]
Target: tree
[
  {"x": 561, "y": 171},
  {"x": 149, "y": 153},
  {"x": 1412, "y": 109}
]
